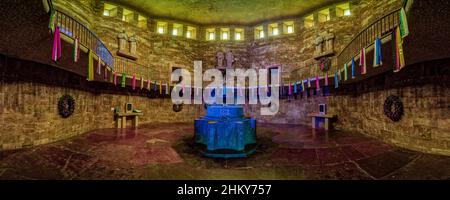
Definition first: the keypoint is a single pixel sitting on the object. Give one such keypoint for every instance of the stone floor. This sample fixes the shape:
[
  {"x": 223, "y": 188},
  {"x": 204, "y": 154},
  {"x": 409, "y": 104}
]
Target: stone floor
[{"x": 166, "y": 151}]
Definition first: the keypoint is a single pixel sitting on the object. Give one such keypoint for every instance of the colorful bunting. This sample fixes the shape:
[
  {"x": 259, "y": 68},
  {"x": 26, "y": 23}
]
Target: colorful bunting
[
  {"x": 362, "y": 61},
  {"x": 295, "y": 87},
  {"x": 377, "y": 59},
  {"x": 56, "y": 52}
]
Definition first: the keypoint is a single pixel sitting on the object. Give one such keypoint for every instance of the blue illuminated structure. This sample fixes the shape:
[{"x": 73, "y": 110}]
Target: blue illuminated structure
[{"x": 225, "y": 132}]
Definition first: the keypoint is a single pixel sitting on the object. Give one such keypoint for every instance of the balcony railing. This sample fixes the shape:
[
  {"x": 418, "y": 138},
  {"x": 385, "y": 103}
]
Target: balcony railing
[
  {"x": 74, "y": 29},
  {"x": 380, "y": 28},
  {"x": 129, "y": 67}
]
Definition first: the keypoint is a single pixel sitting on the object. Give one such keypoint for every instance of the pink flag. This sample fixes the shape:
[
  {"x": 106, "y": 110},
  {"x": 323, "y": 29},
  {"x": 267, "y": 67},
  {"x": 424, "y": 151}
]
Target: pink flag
[
  {"x": 56, "y": 52},
  {"x": 133, "y": 84},
  {"x": 362, "y": 61},
  {"x": 115, "y": 78}
]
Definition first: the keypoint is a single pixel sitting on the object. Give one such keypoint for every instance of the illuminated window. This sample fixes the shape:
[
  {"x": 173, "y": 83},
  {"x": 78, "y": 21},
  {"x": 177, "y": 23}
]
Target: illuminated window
[
  {"x": 128, "y": 16},
  {"x": 343, "y": 10},
  {"x": 288, "y": 27},
  {"x": 259, "y": 32},
  {"x": 224, "y": 33},
  {"x": 238, "y": 34},
  {"x": 324, "y": 15},
  {"x": 191, "y": 32},
  {"x": 142, "y": 21},
  {"x": 273, "y": 29},
  {"x": 177, "y": 30},
  {"x": 161, "y": 27},
  {"x": 210, "y": 34},
  {"x": 109, "y": 10},
  {"x": 309, "y": 21}
]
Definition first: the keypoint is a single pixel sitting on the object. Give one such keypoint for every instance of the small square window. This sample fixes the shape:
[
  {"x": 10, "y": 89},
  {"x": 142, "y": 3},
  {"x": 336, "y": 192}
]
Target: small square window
[
  {"x": 309, "y": 21},
  {"x": 109, "y": 10},
  {"x": 224, "y": 33},
  {"x": 239, "y": 34},
  {"x": 324, "y": 15},
  {"x": 128, "y": 16},
  {"x": 288, "y": 27},
  {"x": 259, "y": 32},
  {"x": 142, "y": 21},
  {"x": 273, "y": 29},
  {"x": 191, "y": 32},
  {"x": 177, "y": 30},
  {"x": 210, "y": 34},
  {"x": 343, "y": 10},
  {"x": 161, "y": 27}
]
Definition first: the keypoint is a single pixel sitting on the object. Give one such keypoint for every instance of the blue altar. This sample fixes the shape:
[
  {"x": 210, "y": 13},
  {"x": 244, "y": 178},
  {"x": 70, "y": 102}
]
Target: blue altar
[{"x": 225, "y": 132}]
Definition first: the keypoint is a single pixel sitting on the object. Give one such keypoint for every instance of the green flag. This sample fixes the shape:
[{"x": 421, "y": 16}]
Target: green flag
[
  {"x": 404, "y": 30},
  {"x": 124, "y": 80}
]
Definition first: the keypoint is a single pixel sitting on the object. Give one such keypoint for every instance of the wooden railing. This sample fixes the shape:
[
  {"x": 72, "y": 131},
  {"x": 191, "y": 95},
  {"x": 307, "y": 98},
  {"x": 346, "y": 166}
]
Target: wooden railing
[
  {"x": 129, "y": 67},
  {"x": 380, "y": 28},
  {"x": 74, "y": 29}
]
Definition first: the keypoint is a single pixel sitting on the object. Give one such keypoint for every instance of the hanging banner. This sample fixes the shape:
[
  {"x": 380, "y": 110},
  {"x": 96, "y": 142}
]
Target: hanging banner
[
  {"x": 56, "y": 52},
  {"x": 142, "y": 83},
  {"x": 99, "y": 66},
  {"x": 133, "y": 82},
  {"x": 317, "y": 83},
  {"x": 345, "y": 72},
  {"x": 353, "y": 67},
  {"x": 399, "y": 57},
  {"x": 377, "y": 59},
  {"x": 295, "y": 87},
  {"x": 148, "y": 84},
  {"x": 404, "y": 29},
  {"x": 362, "y": 61},
  {"x": 76, "y": 50},
  {"x": 115, "y": 78},
  {"x": 336, "y": 80},
  {"x": 326, "y": 78},
  {"x": 90, "y": 76},
  {"x": 123, "y": 82}
]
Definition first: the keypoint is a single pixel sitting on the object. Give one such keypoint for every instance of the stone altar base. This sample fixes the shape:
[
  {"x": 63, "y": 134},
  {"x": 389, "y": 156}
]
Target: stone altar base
[{"x": 225, "y": 132}]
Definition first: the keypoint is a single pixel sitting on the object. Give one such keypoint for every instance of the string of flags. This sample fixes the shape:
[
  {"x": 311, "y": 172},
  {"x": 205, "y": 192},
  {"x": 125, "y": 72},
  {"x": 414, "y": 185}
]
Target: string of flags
[{"x": 400, "y": 32}]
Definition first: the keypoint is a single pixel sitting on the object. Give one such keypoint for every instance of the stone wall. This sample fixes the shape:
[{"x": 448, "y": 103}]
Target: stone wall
[{"x": 29, "y": 113}]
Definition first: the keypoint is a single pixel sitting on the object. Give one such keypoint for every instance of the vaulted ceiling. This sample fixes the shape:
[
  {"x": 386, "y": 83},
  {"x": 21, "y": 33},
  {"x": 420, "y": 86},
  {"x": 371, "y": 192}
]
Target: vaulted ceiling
[{"x": 225, "y": 11}]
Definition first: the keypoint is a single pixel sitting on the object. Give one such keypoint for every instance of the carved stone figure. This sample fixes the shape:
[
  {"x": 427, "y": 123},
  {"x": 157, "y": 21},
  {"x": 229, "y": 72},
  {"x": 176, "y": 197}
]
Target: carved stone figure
[
  {"x": 230, "y": 59},
  {"x": 319, "y": 45},
  {"x": 123, "y": 41},
  {"x": 133, "y": 41},
  {"x": 220, "y": 56},
  {"x": 329, "y": 40}
]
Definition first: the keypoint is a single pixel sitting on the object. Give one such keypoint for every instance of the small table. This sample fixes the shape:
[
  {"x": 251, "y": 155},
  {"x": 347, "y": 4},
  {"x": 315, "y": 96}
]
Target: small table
[
  {"x": 326, "y": 118},
  {"x": 121, "y": 119}
]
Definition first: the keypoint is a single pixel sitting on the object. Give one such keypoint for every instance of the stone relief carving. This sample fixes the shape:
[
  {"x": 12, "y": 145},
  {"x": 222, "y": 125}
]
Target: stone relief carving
[
  {"x": 220, "y": 56},
  {"x": 324, "y": 44},
  {"x": 127, "y": 45},
  {"x": 230, "y": 59},
  {"x": 133, "y": 43},
  {"x": 123, "y": 41}
]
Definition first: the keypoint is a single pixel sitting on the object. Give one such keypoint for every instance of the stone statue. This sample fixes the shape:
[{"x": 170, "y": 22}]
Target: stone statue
[
  {"x": 318, "y": 42},
  {"x": 220, "y": 58},
  {"x": 230, "y": 59},
  {"x": 123, "y": 41},
  {"x": 329, "y": 39},
  {"x": 133, "y": 47}
]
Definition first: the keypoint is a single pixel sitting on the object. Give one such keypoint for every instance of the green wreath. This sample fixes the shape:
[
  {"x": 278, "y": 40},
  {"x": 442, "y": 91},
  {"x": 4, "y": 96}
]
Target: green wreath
[{"x": 66, "y": 106}]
